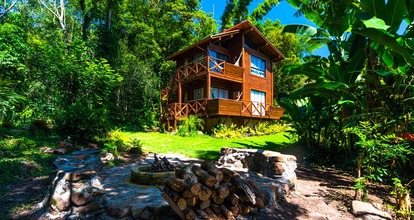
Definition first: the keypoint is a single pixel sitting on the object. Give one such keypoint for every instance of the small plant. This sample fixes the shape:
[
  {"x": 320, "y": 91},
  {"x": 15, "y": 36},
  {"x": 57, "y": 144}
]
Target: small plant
[
  {"x": 189, "y": 126},
  {"x": 401, "y": 193},
  {"x": 136, "y": 146}
]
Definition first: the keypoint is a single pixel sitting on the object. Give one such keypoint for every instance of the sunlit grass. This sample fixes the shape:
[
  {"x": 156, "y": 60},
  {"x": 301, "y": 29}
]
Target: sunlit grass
[{"x": 204, "y": 146}]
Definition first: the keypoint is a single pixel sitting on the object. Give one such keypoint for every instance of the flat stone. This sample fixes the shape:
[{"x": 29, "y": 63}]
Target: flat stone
[
  {"x": 79, "y": 175},
  {"x": 368, "y": 212},
  {"x": 119, "y": 211},
  {"x": 87, "y": 208}
]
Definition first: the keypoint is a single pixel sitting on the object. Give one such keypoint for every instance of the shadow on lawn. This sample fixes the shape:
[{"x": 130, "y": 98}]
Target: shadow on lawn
[
  {"x": 273, "y": 146},
  {"x": 208, "y": 154}
]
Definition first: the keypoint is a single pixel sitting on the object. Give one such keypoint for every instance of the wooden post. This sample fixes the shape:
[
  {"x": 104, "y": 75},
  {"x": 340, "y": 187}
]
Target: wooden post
[
  {"x": 208, "y": 82},
  {"x": 244, "y": 73},
  {"x": 179, "y": 93}
]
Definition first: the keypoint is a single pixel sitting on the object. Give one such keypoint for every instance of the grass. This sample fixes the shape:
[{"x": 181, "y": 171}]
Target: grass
[{"x": 203, "y": 146}]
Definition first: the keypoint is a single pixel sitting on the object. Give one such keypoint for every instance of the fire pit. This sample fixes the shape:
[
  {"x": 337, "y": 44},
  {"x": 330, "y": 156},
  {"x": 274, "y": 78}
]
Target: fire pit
[
  {"x": 153, "y": 174},
  {"x": 142, "y": 175}
]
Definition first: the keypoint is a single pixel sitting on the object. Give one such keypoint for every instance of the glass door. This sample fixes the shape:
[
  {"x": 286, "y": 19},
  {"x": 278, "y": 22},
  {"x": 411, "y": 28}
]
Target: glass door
[{"x": 258, "y": 100}]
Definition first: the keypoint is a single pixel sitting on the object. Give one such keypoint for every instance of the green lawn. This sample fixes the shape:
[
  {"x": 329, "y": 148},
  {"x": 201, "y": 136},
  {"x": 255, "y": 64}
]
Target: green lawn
[{"x": 204, "y": 146}]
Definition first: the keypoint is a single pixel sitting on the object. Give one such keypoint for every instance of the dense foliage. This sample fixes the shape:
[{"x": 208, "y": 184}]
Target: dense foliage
[
  {"x": 84, "y": 66},
  {"x": 360, "y": 97}
]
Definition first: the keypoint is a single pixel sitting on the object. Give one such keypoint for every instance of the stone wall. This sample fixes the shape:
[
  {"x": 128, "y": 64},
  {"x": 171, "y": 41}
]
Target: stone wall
[
  {"x": 76, "y": 190},
  {"x": 269, "y": 163}
]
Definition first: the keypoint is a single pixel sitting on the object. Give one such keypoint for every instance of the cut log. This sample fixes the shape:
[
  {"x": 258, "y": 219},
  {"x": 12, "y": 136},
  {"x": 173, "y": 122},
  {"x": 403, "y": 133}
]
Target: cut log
[
  {"x": 244, "y": 186},
  {"x": 187, "y": 194},
  {"x": 218, "y": 200},
  {"x": 190, "y": 179},
  {"x": 235, "y": 210},
  {"x": 175, "y": 183},
  {"x": 204, "y": 204},
  {"x": 182, "y": 203},
  {"x": 232, "y": 200},
  {"x": 203, "y": 215},
  {"x": 260, "y": 197},
  {"x": 171, "y": 193},
  {"x": 244, "y": 209},
  {"x": 192, "y": 201},
  {"x": 204, "y": 177},
  {"x": 223, "y": 190},
  {"x": 205, "y": 193},
  {"x": 216, "y": 208},
  {"x": 189, "y": 214},
  {"x": 210, "y": 167},
  {"x": 227, "y": 213},
  {"x": 210, "y": 213}
]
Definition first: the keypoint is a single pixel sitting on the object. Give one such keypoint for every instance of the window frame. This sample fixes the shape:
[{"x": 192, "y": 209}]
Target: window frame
[{"x": 254, "y": 70}]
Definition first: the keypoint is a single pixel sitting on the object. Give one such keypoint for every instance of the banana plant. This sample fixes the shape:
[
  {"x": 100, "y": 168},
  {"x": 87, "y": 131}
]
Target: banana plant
[{"x": 368, "y": 75}]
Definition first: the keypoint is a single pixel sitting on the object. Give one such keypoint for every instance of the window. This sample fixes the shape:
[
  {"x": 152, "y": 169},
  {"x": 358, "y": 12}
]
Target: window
[
  {"x": 219, "y": 93},
  {"x": 257, "y": 66},
  {"x": 198, "y": 93},
  {"x": 259, "y": 99},
  {"x": 198, "y": 57},
  {"x": 215, "y": 63}
]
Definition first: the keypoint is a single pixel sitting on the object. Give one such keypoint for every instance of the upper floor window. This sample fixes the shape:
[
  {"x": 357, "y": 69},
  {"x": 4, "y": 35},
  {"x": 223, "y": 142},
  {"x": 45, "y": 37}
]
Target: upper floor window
[
  {"x": 198, "y": 56},
  {"x": 216, "y": 61},
  {"x": 257, "y": 66}
]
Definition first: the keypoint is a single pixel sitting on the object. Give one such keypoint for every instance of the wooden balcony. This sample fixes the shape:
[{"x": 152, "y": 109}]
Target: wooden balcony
[
  {"x": 227, "y": 107},
  {"x": 216, "y": 67}
]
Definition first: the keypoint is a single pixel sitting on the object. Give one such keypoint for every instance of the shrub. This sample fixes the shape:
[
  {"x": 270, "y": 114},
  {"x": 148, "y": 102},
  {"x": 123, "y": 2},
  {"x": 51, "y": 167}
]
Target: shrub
[
  {"x": 189, "y": 126},
  {"x": 232, "y": 131},
  {"x": 118, "y": 142},
  {"x": 266, "y": 128}
]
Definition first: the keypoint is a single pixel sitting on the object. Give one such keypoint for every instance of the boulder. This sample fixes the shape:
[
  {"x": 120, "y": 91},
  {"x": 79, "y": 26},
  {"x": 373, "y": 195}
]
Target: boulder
[
  {"x": 367, "y": 211},
  {"x": 60, "y": 200},
  {"x": 81, "y": 195}
]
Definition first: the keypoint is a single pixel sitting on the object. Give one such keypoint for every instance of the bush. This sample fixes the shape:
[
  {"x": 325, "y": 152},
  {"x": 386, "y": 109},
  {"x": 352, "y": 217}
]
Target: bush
[
  {"x": 189, "y": 126},
  {"x": 118, "y": 142},
  {"x": 232, "y": 131},
  {"x": 266, "y": 129}
]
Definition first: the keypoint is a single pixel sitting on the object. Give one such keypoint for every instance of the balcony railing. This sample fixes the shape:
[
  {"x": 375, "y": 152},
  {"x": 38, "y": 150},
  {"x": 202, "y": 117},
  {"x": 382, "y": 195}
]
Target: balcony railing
[
  {"x": 211, "y": 107},
  {"x": 215, "y": 66}
]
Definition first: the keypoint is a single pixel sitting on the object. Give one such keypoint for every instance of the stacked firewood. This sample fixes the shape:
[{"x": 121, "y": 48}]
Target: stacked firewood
[{"x": 208, "y": 192}]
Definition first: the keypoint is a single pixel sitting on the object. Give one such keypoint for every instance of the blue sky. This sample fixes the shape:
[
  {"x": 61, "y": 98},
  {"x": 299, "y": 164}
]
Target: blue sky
[{"x": 282, "y": 12}]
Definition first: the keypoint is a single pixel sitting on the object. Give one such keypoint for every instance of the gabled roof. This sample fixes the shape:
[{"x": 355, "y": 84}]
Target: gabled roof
[{"x": 243, "y": 27}]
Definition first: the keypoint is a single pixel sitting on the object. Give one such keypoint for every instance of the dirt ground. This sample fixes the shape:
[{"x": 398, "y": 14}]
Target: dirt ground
[{"x": 321, "y": 194}]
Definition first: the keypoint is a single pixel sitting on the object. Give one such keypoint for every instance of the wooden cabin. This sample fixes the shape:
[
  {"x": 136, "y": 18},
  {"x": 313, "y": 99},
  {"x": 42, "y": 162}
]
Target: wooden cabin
[{"x": 225, "y": 78}]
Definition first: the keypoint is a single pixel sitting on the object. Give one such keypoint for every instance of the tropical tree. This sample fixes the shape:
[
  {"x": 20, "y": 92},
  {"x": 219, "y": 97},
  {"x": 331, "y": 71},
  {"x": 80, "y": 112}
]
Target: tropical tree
[{"x": 366, "y": 77}]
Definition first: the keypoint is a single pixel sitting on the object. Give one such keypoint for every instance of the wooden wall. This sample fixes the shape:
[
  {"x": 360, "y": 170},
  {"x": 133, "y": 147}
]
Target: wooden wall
[{"x": 254, "y": 82}]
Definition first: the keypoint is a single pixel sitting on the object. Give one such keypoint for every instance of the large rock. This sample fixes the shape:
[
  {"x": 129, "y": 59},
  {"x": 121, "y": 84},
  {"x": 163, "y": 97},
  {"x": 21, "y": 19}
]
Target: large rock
[
  {"x": 60, "y": 200},
  {"x": 269, "y": 163},
  {"x": 368, "y": 212},
  {"x": 87, "y": 208}
]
